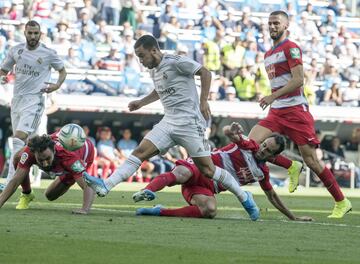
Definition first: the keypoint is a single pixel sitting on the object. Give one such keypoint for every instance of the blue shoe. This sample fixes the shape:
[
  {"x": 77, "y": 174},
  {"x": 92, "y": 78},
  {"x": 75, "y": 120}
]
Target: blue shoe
[
  {"x": 96, "y": 184},
  {"x": 154, "y": 211},
  {"x": 142, "y": 195},
  {"x": 2, "y": 187},
  {"x": 251, "y": 207}
]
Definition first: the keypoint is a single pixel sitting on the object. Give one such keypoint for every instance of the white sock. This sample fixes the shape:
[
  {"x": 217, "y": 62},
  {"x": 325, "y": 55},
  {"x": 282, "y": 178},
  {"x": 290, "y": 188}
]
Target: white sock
[
  {"x": 123, "y": 172},
  {"x": 227, "y": 180},
  {"x": 17, "y": 145}
]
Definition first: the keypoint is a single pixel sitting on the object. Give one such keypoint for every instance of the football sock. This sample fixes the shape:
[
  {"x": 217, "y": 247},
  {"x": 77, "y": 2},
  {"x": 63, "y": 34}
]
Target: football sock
[
  {"x": 228, "y": 182},
  {"x": 25, "y": 185},
  {"x": 123, "y": 172},
  {"x": 187, "y": 211},
  {"x": 17, "y": 145},
  {"x": 331, "y": 184},
  {"x": 281, "y": 161},
  {"x": 159, "y": 182}
]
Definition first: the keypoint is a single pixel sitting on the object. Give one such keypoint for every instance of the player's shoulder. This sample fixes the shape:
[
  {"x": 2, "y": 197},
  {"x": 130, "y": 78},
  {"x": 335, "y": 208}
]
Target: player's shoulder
[
  {"x": 18, "y": 48},
  {"x": 290, "y": 44},
  {"x": 172, "y": 57},
  {"x": 44, "y": 48}
]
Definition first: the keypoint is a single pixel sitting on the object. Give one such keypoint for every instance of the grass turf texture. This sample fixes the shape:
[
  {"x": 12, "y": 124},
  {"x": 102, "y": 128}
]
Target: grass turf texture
[{"x": 49, "y": 233}]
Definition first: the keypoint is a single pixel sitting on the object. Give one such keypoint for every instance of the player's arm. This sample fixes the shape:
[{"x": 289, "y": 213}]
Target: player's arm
[
  {"x": 205, "y": 78},
  {"x": 296, "y": 81},
  {"x": 150, "y": 98},
  {"x": 233, "y": 132},
  {"x": 13, "y": 184},
  {"x": 51, "y": 87},
  {"x": 88, "y": 196},
  {"x": 278, "y": 204}
]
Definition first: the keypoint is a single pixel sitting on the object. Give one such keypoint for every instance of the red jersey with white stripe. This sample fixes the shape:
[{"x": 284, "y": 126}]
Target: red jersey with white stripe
[
  {"x": 238, "y": 157},
  {"x": 278, "y": 63},
  {"x": 72, "y": 163}
]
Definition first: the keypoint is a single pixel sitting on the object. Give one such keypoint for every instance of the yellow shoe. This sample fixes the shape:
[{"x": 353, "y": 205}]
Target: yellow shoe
[
  {"x": 294, "y": 173},
  {"x": 24, "y": 201},
  {"x": 341, "y": 208}
]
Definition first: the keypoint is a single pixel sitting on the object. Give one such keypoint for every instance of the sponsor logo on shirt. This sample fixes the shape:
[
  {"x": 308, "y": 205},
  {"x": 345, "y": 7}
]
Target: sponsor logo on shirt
[
  {"x": 27, "y": 70},
  {"x": 168, "y": 91},
  {"x": 40, "y": 60},
  {"x": 295, "y": 53},
  {"x": 20, "y": 51},
  {"x": 24, "y": 158},
  {"x": 165, "y": 76},
  {"x": 77, "y": 166}
]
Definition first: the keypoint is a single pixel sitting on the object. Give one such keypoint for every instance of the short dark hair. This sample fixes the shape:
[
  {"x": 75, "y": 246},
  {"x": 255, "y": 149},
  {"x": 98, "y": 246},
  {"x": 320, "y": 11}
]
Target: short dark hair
[
  {"x": 148, "y": 42},
  {"x": 32, "y": 23},
  {"x": 280, "y": 141},
  {"x": 41, "y": 143},
  {"x": 280, "y": 13}
]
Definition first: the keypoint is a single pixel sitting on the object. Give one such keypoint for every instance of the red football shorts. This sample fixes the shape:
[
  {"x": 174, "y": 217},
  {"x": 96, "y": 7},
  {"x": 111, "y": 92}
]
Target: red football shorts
[
  {"x": 296, "y": 122},
  {"x": 198, "y": 183}
]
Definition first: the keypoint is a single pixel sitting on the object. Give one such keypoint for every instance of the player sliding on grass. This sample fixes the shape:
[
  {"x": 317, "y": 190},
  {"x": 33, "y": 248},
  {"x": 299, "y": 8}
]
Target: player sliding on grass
[
  {"x": 47, "y": 152},
  {"x": 243, "y": 158}
]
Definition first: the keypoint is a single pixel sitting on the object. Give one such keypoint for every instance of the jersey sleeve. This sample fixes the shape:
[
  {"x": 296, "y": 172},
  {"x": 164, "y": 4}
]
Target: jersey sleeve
[
  {"x": 293, "y": 55},
  {"x": 55, "y": 61},
  {"x": 26, "y": 159},
  {"x": 9, "y": 61},
  {"x": 265, "y": 183},
  {"x": 75, "y": 166},
  {"x": 187, "y": 66}
]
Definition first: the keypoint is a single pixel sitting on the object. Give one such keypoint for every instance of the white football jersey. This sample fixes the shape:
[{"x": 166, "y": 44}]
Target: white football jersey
[
  {"x": 175, "y": 85},
  {"x": 32, "y": 67}
]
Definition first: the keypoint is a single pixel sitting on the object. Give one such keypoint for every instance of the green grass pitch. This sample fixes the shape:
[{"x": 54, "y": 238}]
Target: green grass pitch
[{"x": 49, "y": 233}]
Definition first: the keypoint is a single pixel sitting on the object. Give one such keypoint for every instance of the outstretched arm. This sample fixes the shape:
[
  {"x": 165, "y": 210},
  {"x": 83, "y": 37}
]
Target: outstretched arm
[
  {"x": 51, "y": 87},
  {"x": 150, "y": 98},
  {"x": 275, "y": 200},
  {"x": 88, "y": 197},
  {"x": 233, "y": 132},
  {"x": 13, "y": 184}
]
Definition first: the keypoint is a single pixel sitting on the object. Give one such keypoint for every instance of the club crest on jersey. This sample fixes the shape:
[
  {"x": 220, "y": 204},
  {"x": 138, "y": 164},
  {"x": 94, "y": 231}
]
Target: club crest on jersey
[
  {"x": 24, "y": 158},
  {"x": 20, "y": 51},
  {"x": 295, "y": 53},
  {"x": 39, "y": 60},
  {"x": 165, "y": 76}
]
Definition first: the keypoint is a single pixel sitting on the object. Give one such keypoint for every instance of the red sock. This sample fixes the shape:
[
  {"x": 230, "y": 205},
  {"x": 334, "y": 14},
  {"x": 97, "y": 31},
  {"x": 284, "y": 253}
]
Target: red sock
[
  {"x": 187, "y": 211},
  {"x": 282, "y": 161},
  {"x": 26, "y": 187},
  {"x": 159, "y": 182},
  {"x": 331, "y": 184}
]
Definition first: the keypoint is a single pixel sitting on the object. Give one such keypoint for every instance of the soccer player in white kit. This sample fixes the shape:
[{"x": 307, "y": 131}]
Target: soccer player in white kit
[
  {"x": 184, "y": 122},
  {"x": 33, "y": 62}
]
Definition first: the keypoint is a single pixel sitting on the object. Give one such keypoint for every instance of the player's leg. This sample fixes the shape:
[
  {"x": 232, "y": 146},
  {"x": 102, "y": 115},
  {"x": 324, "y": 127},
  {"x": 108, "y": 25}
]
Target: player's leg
[
  {"x": 56, "y": 189},
  {"x": 179, "y": 175},
  {"x": 342, "y": 205},
  {"x": 18, "y": 142}
]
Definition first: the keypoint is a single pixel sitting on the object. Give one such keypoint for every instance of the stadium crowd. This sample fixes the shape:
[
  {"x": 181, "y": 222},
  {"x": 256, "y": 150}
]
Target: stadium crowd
[{"x": 230, "y": 40}]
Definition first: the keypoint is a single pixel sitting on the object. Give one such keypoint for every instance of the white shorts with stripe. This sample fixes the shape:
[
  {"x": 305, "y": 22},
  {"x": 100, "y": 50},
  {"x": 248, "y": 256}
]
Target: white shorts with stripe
[
  {"x": 26, "y": 112},
  {"x": 190, "y": 136}
]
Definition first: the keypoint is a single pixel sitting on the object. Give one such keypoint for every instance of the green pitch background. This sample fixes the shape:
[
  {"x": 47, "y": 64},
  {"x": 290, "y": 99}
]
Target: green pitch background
[{"x": 49, "y": 233}]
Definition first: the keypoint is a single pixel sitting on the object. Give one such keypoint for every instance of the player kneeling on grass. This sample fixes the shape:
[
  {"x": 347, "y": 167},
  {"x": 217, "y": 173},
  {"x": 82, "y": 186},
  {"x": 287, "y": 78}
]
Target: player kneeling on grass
[
  {"x": 47, "y": 152},
  {"x": 244, "y": 158}
]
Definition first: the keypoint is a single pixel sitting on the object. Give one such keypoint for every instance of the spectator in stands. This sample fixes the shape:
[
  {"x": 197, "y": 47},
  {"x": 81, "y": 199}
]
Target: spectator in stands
[
  {"x": 231, "y": 94},
  {"x": 246, "y": 23},
  {"x": 262, "y": 83},
  {"x": 208, "y": 29},
  {"x": 61, "y": 43},
  {"x": 353, "y": 69},
  {"x": 85, "y": 20},
  {"x": 108, "y": 155},
  {"x": 91, "y": 9},
  {"x": 72, "y": 60},
  {"x": 110, "y": 11},
  {"x": 131, "y": 83},
  {"x": 250, "y": 52},
  {"x": 182, "y": 50},
  {"x": 230, "y": 20},
  {"x": 128, "y": 12},
  {"x": 348, "y": 49},
  {"x": 351, "y": 94},
  {"x": 244, "y": 84},
  {"x": 111, "y": 62},
  {"x": 329, "y": 22},
  {"x": 354, "y": 142},
  {"x": 333, "y": 96},
  {"x": 307, "y": 26},
  {"x": 169, "y": 33},
  {"x": 128, "y": 40},
  {"x": 166, "y": 14},
  {"x": 333, "y": 6},
  {"x": 211, "y": 57},
  {"x": 232, "y": 56},
  {"x": 2, "y": 48},
  {"x": 310, "y": 9},
  {"x": 69, "y": 13},
  {"x": 315, "y": 46},
  {"x": 42, "y": 8}
]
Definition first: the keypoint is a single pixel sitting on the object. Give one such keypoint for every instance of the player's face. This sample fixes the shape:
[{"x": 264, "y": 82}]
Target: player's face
[
  {"x": 146, "y": 57},
  {"x": 267, "y": 149},
  {"x": 45, "y": 159},
  {"x": 277, "y": 26},
  {"x": 32, "y": 35}
]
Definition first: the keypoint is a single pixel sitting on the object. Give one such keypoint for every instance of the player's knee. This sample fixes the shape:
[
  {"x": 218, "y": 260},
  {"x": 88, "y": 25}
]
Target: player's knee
[
  {"x": 209, "y": 210},
  {"x": 50, "y": 196}
]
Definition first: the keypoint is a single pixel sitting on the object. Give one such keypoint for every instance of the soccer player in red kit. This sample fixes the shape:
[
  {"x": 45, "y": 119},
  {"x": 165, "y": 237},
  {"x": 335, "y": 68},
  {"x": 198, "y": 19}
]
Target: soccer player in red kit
[
  {"x": 243, "y": 158},
  {"x": 67, "y": 166},
  {"x": 289, "y": 113}
]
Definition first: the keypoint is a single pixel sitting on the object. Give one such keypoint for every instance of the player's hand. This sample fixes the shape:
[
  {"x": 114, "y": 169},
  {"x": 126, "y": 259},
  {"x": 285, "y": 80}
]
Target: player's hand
[
  {"x": 49, "y": 87},
  {"x": 80, "y": 211},
  {"x": 266, "y": 101},
  {"x": 205, "y": 110},
  {"x": 134, "y": 105},
  {"x": 236, "y": 128},
  {"x": 4, "y": 80},
  {"x": 303, "y": 218}
]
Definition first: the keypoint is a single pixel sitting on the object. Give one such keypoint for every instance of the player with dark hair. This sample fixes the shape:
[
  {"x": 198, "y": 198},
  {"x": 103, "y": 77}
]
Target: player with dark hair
[
  {"x": 67, "y": 166},
  {"x": 289, "y": 113},
  {"x": 184, "y": 122},
  {"x": 33, "y": 62},
  {"x": 244, "y": 157}
]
